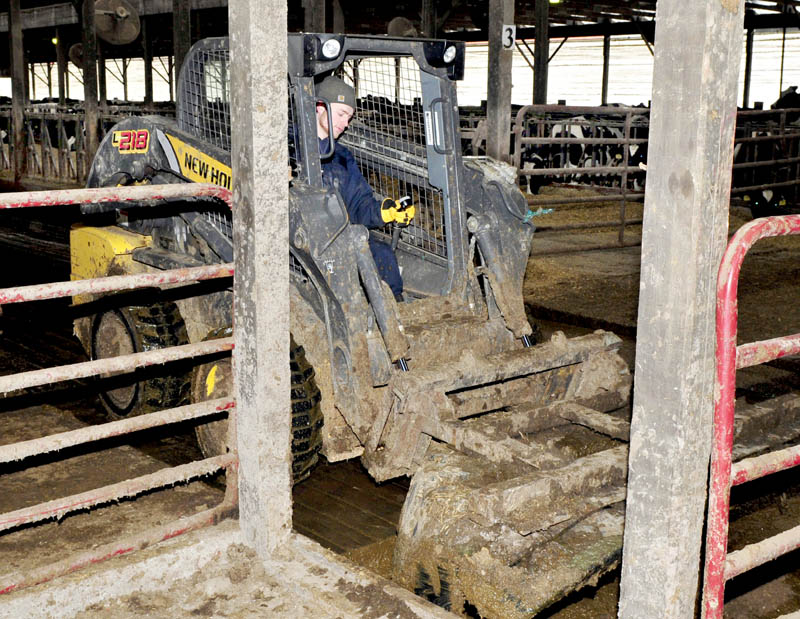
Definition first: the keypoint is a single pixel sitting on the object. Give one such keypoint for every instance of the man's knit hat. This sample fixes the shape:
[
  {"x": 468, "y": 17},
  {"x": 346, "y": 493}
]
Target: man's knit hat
[{"x": 334, "y": 90}]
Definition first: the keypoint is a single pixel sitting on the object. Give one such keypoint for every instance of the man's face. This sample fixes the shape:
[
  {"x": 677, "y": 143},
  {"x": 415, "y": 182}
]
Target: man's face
[{"x": 341, "y": 115}]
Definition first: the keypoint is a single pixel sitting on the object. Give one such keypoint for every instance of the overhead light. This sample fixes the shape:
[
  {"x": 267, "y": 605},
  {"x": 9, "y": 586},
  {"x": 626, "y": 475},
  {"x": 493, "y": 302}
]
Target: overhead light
[
  {"x": 54, "y": 41},
  {"x": 331, "y": 48},
  {"x": 449, "y": 54},
  {"x": 555, "y": 1}
]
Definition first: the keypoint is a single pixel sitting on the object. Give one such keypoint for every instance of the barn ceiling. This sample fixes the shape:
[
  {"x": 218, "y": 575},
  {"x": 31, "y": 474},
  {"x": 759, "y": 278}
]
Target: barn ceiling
[{"x": 462, "y": 19}]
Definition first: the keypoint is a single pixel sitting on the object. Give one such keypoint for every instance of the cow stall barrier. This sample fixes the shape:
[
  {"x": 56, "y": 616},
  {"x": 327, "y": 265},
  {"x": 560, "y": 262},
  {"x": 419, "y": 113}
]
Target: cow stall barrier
[
  {"x": 54, "y": 139},
  {"x": 58, "y": 508},
  {"x": 766, "y": 159},
  {"x": 603, "y": 151},
  {"x": 598, "y": 148},
  {"x": 721, "y": 566}
]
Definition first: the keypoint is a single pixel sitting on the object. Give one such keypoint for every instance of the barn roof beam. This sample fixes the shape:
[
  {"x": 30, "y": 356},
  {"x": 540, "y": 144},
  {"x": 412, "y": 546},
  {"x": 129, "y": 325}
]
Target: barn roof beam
[{"x": 756, "y": 22}]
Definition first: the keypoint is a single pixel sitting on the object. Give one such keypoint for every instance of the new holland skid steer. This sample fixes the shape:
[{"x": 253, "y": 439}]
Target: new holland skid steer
[{"x": 517, "y": 450}]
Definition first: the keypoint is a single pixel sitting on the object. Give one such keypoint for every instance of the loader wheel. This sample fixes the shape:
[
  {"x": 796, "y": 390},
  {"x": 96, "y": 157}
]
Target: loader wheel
[
  {"x": 215, "y": 380},
  {"x": 132, "y": 329}
]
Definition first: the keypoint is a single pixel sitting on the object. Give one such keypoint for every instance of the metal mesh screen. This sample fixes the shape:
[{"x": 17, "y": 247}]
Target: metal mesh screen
[
  {"x": 387, "y": 139},
  {"x": 222, "y": 221},
  {"x": 294, "y": 137},
  {"x": 296, "y": 269},
  {"x": 204, "y": 93}
]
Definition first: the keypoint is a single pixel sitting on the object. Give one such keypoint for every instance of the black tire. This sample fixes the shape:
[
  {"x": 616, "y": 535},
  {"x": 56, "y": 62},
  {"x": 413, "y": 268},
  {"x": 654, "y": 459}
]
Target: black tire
[
  {"x": 214, "y": 380},
  {"x": 140, "y": 328}
]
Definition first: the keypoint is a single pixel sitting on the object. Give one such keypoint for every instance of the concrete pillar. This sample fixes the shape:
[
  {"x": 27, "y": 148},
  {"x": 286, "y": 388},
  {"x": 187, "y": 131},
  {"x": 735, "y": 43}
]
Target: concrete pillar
[
  {"x": 428, "y": 19},
  {"x": 181, "y": 32},
  {"x": 498, "y": 98},
  {"x": 748, "y": 67},
  {"x": 695, "y": 75},
  {"x": 18, "y": 78},
  {"x": 147, "y": 54},
  {"x": 541, "y": 51},
  {"x": 90, "y": 80},
  {"x": 606, "y": 60},
  {"x": 314, "y": 15},
  {"x": 261, "y": 284}
]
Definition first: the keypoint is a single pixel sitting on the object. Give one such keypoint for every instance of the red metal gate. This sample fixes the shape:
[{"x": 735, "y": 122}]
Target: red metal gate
[
  {"x": 721, "y": 566},
  {"x": 144, "y": 195}
]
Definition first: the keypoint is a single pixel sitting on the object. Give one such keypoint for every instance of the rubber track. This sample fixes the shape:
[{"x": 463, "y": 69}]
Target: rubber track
[
  {"x": 307, "y": 417},
  {"x": 160, "y": 326}
]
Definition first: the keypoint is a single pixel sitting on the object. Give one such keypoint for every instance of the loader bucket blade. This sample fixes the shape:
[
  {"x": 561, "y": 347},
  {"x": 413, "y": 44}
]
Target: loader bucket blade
[
  {"x": 443, "y": 554},
  {"x": 520, "y": 463}
]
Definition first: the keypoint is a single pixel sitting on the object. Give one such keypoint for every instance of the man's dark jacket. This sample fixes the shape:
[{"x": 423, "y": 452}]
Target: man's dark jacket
[{"x": 341, "y": 172}]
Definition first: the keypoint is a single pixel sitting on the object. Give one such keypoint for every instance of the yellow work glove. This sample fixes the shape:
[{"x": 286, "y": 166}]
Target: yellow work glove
[{"x": 399, "y": 211}]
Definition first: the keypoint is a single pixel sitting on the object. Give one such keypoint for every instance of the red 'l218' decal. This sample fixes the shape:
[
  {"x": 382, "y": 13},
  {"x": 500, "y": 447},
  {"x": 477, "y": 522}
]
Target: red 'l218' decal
[{"x": 131, "y": 141}]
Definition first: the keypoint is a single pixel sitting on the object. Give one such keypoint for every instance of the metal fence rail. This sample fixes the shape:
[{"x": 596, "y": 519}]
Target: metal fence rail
[
  {"x": 166, "y": 477},
  {"x": 719, "y": 565}
]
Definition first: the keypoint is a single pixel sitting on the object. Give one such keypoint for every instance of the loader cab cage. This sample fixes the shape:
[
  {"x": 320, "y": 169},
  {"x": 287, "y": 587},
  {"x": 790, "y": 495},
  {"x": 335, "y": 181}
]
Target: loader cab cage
[
  {"x": 203, "y": 106},
  {"x": 402, "y": 135},
  {"x": 388, "y": 140}
]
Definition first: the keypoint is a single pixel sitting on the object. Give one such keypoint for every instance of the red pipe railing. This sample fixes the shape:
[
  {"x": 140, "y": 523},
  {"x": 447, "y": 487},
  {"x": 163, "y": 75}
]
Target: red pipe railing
[
  {"x": 719, "y": 565},
  {"x": 147, "y": 195}
]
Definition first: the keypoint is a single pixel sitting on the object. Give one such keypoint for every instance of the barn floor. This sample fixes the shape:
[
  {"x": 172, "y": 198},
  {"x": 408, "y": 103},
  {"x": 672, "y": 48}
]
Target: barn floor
[{"x": 339, "y": 506}]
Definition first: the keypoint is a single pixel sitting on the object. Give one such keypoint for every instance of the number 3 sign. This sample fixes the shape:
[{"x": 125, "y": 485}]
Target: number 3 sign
[{"x": 509, "y": 35}]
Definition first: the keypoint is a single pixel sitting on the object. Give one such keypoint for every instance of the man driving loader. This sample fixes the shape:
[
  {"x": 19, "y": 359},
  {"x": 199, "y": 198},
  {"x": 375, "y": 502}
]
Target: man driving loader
[{"x": 340, "y": 171}]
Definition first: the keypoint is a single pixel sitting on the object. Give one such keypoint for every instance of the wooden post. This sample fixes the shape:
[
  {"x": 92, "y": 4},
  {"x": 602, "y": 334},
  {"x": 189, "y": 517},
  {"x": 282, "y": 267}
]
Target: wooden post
[
  {"x": 748, "y": 67},
  {"x": 91, "y": 111},
  {"x": 18, "y": 77},
  {"x": 125, "y": 64},
  {"x": 61, "y": 62},
  {"x": 147, "y": 53},
  {"x": 338, "y": 17},
  {"x": 181, "y": 32},
  {"x": 541, "y": 51},
  {"x": 695, "y": 75},
  {"x": 606, "y": 59},
  {"x": 314, "y": 15},
  {"x": 498, "y": 99},
  {"x": 173, "y": 77},
  {"x": 102, "y": 92},
  {"x": 428, "y": 19},
  {"x": 261, "y": 285},
  {"x": 26, "y": 81}
]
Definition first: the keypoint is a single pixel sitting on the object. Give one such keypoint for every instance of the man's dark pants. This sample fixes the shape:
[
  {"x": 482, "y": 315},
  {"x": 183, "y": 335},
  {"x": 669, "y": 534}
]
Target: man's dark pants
[{"x": 386, "y": 262}]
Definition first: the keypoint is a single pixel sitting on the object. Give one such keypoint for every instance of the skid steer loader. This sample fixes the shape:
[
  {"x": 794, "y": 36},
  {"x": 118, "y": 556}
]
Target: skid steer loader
[{"x": 516, "y": 449}]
